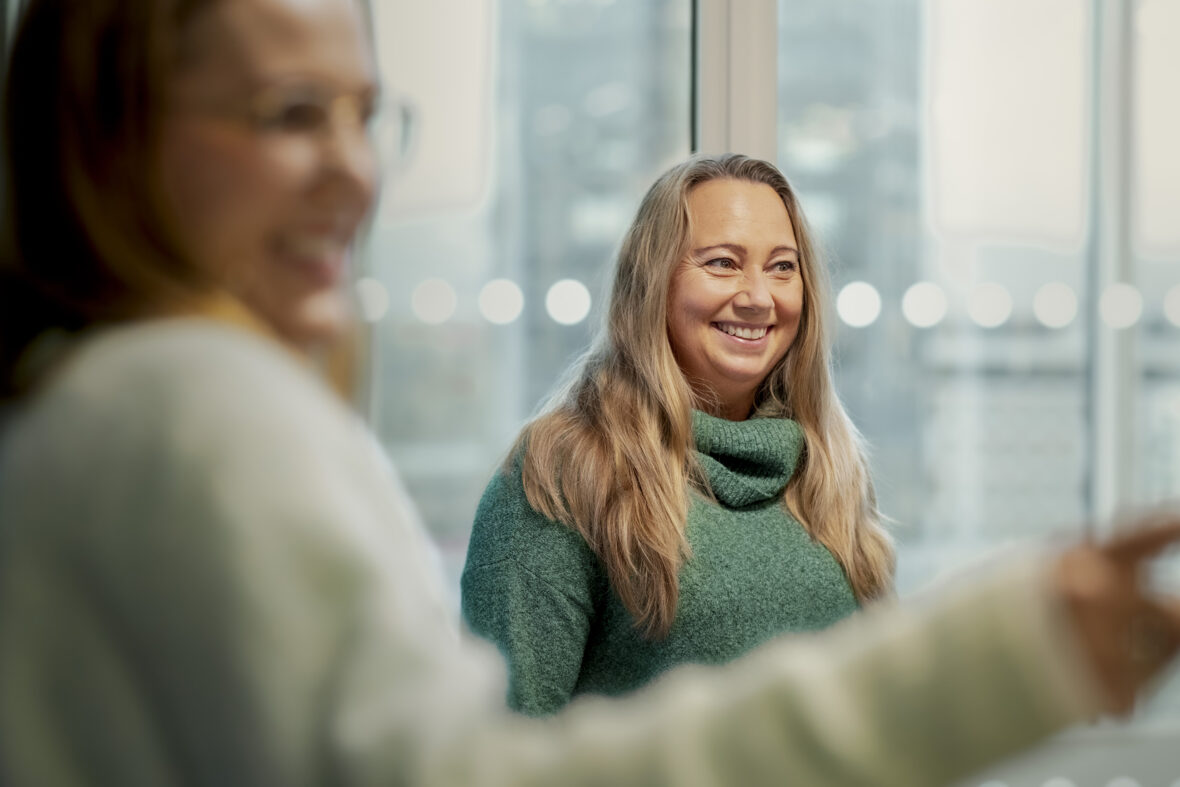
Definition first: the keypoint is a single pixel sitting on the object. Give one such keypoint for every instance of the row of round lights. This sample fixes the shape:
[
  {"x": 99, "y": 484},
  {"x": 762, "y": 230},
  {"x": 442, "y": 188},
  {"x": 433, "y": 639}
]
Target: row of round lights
[
  {"x": 990, "y": 305},
  {"x": 500, "y": 301},
  {"x": 924, "y": 305}
]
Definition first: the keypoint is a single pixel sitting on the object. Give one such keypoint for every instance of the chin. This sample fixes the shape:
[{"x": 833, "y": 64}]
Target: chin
[
  {"x": 315, "y": 322},
  {"x": 746, "y": 377}
]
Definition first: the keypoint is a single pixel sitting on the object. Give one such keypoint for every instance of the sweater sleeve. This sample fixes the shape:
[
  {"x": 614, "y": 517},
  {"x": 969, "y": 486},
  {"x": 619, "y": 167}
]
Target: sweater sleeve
[
  {"x": 253, "y": 607},
  {"x": 529, "y": 588},
  {"x": 916, "y": 695}
]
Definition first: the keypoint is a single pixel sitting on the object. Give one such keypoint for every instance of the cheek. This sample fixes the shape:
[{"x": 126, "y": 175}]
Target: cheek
[
  {"x": 790, "y": 315},
  {"x": 790, "y": 304},
  {"x": 684, "y": 315},
  {"x": 223, "y": 191},
  {"x": 697, "y": 300},
  {"x": 196, "y": 172}
]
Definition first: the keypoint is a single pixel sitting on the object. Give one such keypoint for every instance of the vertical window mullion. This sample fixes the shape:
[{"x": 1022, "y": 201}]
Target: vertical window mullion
[
  {"x": 736, "y": 79},
  {"x": 1113, "y": 377}
]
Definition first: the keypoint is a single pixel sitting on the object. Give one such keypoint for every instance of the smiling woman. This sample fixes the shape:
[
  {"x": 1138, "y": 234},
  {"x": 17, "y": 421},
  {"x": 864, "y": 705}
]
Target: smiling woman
[
  {"x": 221, "y": 165},
  {"x": 209, "y": 577},
  {"x": 698, "y": 488},
  {"x": 265, "y": 155},
  {"x": 736, "y": 298}
]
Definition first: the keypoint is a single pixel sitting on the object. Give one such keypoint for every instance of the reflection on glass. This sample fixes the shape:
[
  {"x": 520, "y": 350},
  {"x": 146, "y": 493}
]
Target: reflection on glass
[
  {"x": 990, "y": 305},
  {"x": 1005, "y": 118},
  {"x": 433, "y": 301},
  {"x": 1055, "y": 305},
  {"x": 372, "y": 299},
  {"x": 858, "y": 304},
  {"x": 568, "y": 302},
  {"x": 501, "y": 301},
  {"x": 1120, "y": 306},
  {"x": 924, "y": 304},
  {"x": 1156, "y": 112}
]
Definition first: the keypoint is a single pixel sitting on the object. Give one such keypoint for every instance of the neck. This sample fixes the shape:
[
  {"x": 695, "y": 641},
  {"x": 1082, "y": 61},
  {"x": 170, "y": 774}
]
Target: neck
[
  {"x": 732, "y": 406},
  {"x": 225, "y": 308},
  {"x": 737, "y": 411},
  {"x": 336, "y": 361}
]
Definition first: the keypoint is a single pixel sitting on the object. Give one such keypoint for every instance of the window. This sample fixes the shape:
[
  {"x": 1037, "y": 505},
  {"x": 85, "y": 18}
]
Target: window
[
  {"x": 942, "y": 153},
  {"x": 537, "y": 130},
  {"x": 994, "y": 183}
]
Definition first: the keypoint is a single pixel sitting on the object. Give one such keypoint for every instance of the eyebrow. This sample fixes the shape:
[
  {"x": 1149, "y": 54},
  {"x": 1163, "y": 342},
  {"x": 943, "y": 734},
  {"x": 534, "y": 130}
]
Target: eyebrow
[{"x": 737, "y": 248}]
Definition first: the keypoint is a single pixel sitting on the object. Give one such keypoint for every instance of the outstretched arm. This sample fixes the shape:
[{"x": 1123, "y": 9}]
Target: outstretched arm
[
  {"x": 916, "y": 694},
  {"x": 268, "y": 617},
  {"x": 1126, "y": 633}
]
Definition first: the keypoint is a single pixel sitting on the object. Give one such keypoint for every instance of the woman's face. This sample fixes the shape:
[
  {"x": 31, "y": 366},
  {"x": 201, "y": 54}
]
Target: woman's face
[
  {"x": 736, "y": 298},
  {"x": 265, "y": 158}
]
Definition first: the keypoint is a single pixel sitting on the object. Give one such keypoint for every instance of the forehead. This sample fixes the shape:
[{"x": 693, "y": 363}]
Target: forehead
[
  {"x": 268, "y": 39},
  {"x": 727, "y": 205}
]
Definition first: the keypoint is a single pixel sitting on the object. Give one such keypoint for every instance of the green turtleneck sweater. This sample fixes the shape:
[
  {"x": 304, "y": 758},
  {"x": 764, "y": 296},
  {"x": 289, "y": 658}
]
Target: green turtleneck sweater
[{"x": 534, "y": 588}]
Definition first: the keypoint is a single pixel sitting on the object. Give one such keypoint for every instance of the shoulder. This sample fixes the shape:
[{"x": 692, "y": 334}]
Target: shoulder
[
  {"x": 510, "y": 534},
  {"x": 196, "y": 364},
  {"x": 185, "y": 379},
  {"x": 148, "y": 413},
  {"x": 194, "y": 450}
]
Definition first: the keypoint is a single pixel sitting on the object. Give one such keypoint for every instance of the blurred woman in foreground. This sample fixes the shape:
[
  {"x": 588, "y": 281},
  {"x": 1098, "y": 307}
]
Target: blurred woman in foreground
[{"x": 208, "y": 577}]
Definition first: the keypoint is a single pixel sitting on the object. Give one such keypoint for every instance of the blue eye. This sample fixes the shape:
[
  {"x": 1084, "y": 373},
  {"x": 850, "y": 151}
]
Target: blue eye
[
  {"x": 785, "y": 266},
  {"x": 721, "y": 262}
]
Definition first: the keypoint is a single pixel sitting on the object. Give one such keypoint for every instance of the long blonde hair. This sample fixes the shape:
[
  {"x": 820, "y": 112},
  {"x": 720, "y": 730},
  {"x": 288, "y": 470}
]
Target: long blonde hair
[{"x": 611, "y": 455}]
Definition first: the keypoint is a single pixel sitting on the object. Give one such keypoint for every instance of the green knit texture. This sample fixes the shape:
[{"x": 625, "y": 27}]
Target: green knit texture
[{"x": 534, "y": 588}]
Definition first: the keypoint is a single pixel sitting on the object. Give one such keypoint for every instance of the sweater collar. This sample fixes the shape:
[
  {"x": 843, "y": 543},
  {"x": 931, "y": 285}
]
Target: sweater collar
[{"x": 747, "y": 462}]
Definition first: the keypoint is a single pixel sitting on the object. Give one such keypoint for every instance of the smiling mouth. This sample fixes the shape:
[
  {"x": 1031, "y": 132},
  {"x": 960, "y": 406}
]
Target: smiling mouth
[
  {"x": 321, "y": 256},
  {"x": 743, "y": 331}
]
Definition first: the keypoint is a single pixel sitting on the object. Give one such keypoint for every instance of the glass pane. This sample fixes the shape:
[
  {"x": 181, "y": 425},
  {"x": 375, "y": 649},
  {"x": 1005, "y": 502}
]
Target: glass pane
[
  {"x": 1155, "y": 234},
  {"x": 941, "y": 153},
  {"x": 535, "y": 133},
  {"x": 945, "y": 152}
]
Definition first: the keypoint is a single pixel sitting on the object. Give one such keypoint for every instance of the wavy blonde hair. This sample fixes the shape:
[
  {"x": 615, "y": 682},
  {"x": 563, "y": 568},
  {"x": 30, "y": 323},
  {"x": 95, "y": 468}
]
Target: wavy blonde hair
[{"x": 611, "y": 454}]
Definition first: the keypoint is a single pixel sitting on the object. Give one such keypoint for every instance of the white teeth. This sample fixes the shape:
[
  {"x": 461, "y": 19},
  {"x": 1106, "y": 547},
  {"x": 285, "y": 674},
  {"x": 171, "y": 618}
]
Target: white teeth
[
  {"x": 312, "y": 246},
  {"x": 744, "y": 333}
]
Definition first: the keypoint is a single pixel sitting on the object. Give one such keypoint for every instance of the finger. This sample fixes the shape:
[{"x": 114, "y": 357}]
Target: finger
[
  {"x": 1145, "y": 537},
  {"x": 1168, "y": 609},
  {"x": 1154, "y": 637}
]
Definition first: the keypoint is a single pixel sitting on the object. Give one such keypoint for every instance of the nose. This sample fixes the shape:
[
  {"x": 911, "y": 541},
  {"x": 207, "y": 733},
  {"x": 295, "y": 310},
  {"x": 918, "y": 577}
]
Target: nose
[
  {"x": 754, "y": 293},
  {"x": 350, "y": 157}
]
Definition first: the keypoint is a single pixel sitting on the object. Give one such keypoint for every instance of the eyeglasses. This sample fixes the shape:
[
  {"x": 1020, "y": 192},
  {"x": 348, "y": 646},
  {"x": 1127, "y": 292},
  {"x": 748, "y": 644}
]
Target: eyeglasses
[
  {"x": 309, "y": 108},
  {"x": 396, "y": 132},
  {"x": 301, "y": 108}
]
